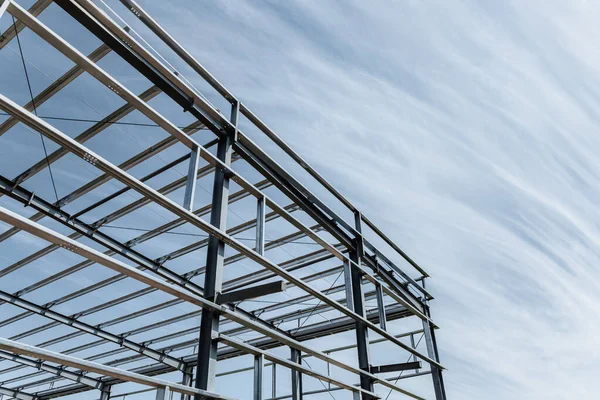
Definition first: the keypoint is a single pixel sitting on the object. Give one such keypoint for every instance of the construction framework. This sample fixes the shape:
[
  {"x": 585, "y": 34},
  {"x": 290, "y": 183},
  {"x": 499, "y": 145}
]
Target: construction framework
[{"x": 241, "y": 307}]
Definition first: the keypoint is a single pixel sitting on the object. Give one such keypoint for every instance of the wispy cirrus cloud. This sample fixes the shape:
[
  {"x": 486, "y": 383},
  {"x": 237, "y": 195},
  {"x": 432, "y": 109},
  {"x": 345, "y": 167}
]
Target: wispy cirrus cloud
[{"x": 468, "y": 130}]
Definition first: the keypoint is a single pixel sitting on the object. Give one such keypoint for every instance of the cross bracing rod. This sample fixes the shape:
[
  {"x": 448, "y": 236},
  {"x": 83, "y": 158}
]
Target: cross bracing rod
[
  {"x": 9, "y": 34},
  {"x": 203, "y": 108},
  {"x": 171, "y": 303},
  {"x": 116, "y": 265},
  {"x": 238, "y": 344},
  {"x": 55, "y": 86},
  {"x": 327, "y": 351},
  {"x": 294, "y": 315},
  {"x": 140, "y": 13},
  {"x": 183, "y": 345},
  {"x": 329, "y": 390},
  {"x": 287, "y": 178},
  {"x": 284, "y": 215},
  {"x": 98, "y": 73},
  {"x": 77, "y": 377},
  {"x": 86, "y": 135},
  {"x": 21, "y": 348},
  {"x": 92, "y": 330},
  {"x": 32, "y": 200},
  {"x": 98, "y": 223},
  {"x": 83, "y": 152},
  {"x": 273, "y": 168},
  {"x": 116, "y": 27},
  {"x": 308, "y": 331},
  {"x": 129, "y": 97},
  {"x": 290, "y": 265},
  {"x": 74, "y": 389},
  {"x": 26, "y": 197},
  {"x": 126, "y": 165},
  {"x": 153, "y": 115}
]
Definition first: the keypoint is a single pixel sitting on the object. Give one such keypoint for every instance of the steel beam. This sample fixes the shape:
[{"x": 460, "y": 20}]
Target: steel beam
[
  {"x": 140, "y": 13},
  {"x": 306, "y": 332},
  {"x": 87, "y": 252},
  {"x": 244, "y": 144},
  {"x": 382, "y": 369},
  {"x": 436, "y": 373},
  {"x": 99, "y": 162},
  {"x": 128, "y": 376},
  {"x": 17, "y": 394},
  {"x": 251, "y": 292},
  {"x": 294, "y": 364},
  {"x": 10, "y": 33},
  {"x": 92, "y": 330},
  {"x": 77, "y": 377},
  {"x": 3, "y": 7},
  {"x": 51, "y": 90},
  {"x": 102, "y": 179},
  {"x": 98, "y": 73}
]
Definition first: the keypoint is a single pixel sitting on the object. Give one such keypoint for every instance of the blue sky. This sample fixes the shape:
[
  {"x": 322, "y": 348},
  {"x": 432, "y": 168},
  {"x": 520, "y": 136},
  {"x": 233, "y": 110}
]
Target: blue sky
[{"x": 465, "y": 129}]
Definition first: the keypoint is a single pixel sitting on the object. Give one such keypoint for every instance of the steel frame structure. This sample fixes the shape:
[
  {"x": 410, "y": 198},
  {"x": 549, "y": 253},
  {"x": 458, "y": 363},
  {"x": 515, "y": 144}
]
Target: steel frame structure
[{"x": 369, "y": 275}]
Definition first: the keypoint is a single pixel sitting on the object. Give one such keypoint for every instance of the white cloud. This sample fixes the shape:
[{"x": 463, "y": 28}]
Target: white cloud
[{"x": 467, "y": 130}]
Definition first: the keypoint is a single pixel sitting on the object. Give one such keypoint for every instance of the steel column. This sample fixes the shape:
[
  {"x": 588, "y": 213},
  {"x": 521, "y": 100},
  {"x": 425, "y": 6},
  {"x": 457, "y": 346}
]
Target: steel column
[
  {"x": 273, "y": 380},
  {"x": 430, "y": 342},
  {"x": 213, "y": 279},
  {"x": 412, "y": 344},
  {"x": 296, "y": 357},
  {"x": 190, "y": 185},
  {"x": 163, "y": 393},
  {"x": 105, "y": 393},
  {"x": 188, "y": 375},
  {"x": 358, "y": 301},
  {"x": 260, "y": 225},
  {"x": 259, "y": 362},
  {"x": 381, "y": 307}
]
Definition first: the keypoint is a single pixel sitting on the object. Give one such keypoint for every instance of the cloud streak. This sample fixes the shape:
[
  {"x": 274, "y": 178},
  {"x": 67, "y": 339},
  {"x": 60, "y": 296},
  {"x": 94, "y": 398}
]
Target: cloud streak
[{"x": 467, "y": 130}]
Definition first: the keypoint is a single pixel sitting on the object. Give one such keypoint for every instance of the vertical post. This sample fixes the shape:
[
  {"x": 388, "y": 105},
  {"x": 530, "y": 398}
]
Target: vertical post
[
  {"x": 432, "y": 352},
  {"x": 213, "y": 278},
  {"x": 105, "y": 392},
  {"x": 187, "y": 381},
  {"x": 348, "y": 285},
  {"x": 381, "y": 307},
  {"x": 412, "y": 344},
  {"x": 296, "y": 376},
  {"x": 259, "y": 362},
  {"x": 260, "y": 225},
  {"x": 273, "y": 380},
  {"x": 163, "y": 393},
  {"x": 328, "y": 371},
  {"x": 358, "y": 298},
  {"x": 192, "y": 176}
]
